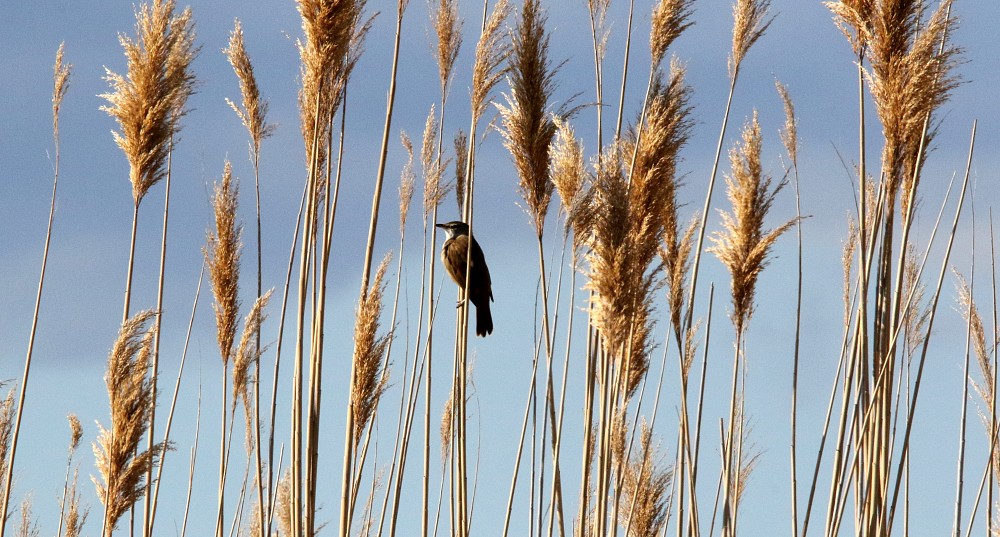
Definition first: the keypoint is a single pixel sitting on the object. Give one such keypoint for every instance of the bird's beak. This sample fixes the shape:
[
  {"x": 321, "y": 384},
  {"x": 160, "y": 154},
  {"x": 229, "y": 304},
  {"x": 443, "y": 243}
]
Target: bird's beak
[{"x": 442, "y": 226}]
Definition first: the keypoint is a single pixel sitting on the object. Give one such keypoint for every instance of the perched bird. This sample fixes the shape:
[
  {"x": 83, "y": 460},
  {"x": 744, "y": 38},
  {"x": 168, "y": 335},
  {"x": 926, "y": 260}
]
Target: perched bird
[{"x": 480, "y": 290}]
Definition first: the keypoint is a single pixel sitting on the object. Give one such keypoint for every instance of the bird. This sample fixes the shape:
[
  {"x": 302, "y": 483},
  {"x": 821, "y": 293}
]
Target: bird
[{"x": 453, "y": 256}]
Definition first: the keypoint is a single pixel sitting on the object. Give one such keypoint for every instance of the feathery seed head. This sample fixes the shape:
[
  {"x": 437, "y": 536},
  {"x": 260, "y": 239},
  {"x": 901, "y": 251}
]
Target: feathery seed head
[
  {"x": 528, "y": 127},
  {"x": 743, "y": 244},
  {"x": 60, "y": 83},
  {"x": 491, "y": 54},
  {"x": 448, "y": 29},
  {"x": 406, "y": 180},
  {"x": 247, "y": 353},
  {"x": 670, "y": 18},
  {"x": 149, "y": 100},
  {"x": 254, "y": 111},
  {"x": 371, "y": 378},
  {"x": 122, "y": 466},
  {"x": 750, "y": 21},
  {"x": 222, "y": 254}
]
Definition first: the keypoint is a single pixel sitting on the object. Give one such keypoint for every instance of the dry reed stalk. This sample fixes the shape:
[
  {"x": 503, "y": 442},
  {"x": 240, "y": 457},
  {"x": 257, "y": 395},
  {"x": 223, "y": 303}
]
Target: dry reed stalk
[
  {"x": 60, "y": 85},
  {"x": 333, "y": 33},
  {"x": 743, "y": 246},
  {"x": 750, "y": 22},
  {"x": 790, "y": 139},
  {"x": 121, "y": 465},
  {"x": 598, "y": 10},
  {"x": 528, "y": 129},
  {"x": 222, "y": 257},
  {"x": 253, "y": 115}
]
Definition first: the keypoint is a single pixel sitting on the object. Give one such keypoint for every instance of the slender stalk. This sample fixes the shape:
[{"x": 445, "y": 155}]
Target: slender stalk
[
  {"x": 345, "y": 500},
  {"x": 930, "y": 326},
  {"x": 61, "y": 75},
  {"x": 173, "y": 401},
  {"x": 147, "y": 511}
]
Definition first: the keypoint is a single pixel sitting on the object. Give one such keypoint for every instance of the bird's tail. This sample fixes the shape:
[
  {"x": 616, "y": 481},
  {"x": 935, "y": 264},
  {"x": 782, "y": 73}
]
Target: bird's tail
[{"x": 484, "y": 319}]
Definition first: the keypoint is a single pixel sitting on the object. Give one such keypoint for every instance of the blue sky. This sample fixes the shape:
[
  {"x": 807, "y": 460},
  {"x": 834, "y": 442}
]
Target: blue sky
[{"x": 83, "y": 293}]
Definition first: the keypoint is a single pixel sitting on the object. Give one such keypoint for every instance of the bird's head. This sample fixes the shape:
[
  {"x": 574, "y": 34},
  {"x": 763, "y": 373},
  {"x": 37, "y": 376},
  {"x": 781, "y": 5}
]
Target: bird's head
[{"x": 455, "y": 228}]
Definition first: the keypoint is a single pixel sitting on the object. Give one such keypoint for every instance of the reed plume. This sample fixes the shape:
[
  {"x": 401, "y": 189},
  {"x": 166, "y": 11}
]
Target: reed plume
[
  {"x": 70, "y": 516},
  {"x": 448, "y": 29},
  {"x": 334, "y": 34},
  {"x": 7, "y": 418},
  {"x": 669, "y": 20},
  {"x": 571, "y": 180},
  {"x": 121, "y": 464},
  {"x": 910, "y": 77},
  {"x": 406, "y": 183},
  {"x": 750, "y": 22},
  {"x": 253, "y": 113},
  {"x": 461, "y": 160},
  {"x": 151, "y": 97},
  {"x": 435, "y": 189},
  {"x": 743, "y": 244},
  {"x": 222, "y": 255},
  {"x": 646, "y": 478},
  {"x": 491, "y": 55},
  {"x": 528, "y": 127},
  {"x": 623, "y": 244},
  {"x": 369, "y": 353},
  {"x": 246, "y": 355},
  {"x": 664, "y": 131}
]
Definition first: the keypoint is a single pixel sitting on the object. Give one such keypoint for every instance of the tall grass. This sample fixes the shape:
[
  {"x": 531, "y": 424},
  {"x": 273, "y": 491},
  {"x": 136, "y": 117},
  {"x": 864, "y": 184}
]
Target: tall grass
[{"x": 634, "y": 304}]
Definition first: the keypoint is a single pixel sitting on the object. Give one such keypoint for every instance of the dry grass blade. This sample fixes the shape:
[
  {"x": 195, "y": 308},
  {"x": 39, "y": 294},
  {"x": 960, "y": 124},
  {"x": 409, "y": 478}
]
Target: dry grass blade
[
  {"x": 122, "y": 466},
  {"x": 253, "y": 114},
  {"x": 369, "y": 353},
  {"x": 528, "y": 127},
  {"x": 743, "y": 244},
  {"x": 147, "y": 101},
  {"x": 222, "y": 255},
  {"x": 491, "y": 54},
  {"x": 750, "y": 21},
  {"x": 448, "y": 29},
  {"x": 669, "y": 19}
]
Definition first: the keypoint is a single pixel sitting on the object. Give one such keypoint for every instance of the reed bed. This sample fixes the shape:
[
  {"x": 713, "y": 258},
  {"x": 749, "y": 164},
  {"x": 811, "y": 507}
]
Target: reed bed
[{"x": 609, "y": 400}]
